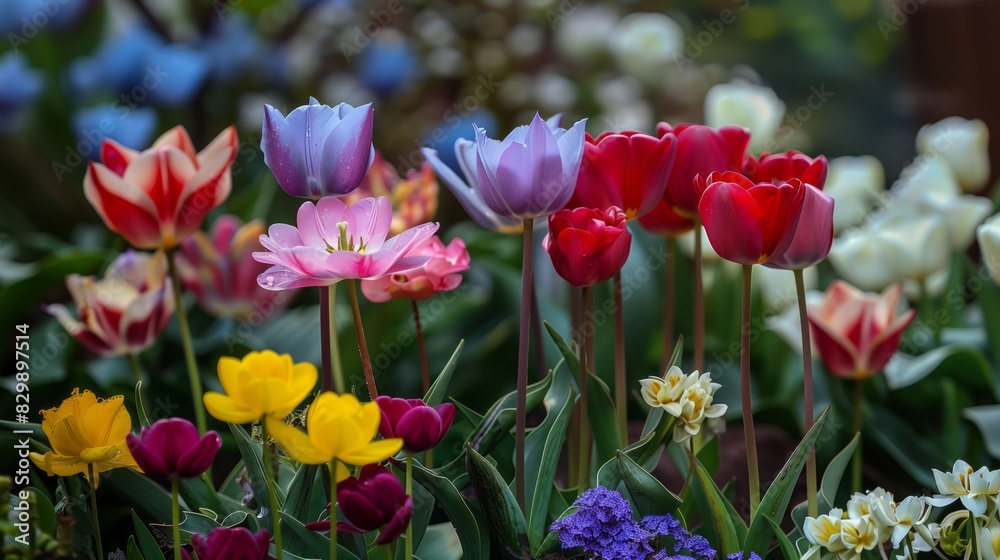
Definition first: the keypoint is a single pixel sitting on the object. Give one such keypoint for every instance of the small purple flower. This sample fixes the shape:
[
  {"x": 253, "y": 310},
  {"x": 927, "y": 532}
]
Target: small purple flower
[
  {"x": 318, "y": 150},
  {"x": 739, "y": 556},
  {"x": 697, "y": 546},
  {"x": 532, "y": 172},
  {"x": 603, "y": 526},
  {"x": 171, "y": 448}
]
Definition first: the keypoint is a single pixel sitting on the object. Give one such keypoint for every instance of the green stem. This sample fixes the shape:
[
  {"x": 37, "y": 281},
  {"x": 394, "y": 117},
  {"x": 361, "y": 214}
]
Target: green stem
[
  {"x": 522, "y": 363},
  {"x": 409, "y": 492},
  {"x": 859, "y": 398},
  {"x": 621, "y": 398},
  {"x": 271, "y": 480},
  {"x": 668, "y": 304},
  {"x": 699, "y": 301},
  {"x": 93, "y": 511},
  {"x": 807, "y": 392},
  {"x": 425, "y": 373},
  {"x": 388, "y": 551},
  {"x": 339, "y": 384},
  {"x": 194, "y": 377},
  {"x": 333, "y": 509},
  {"x": 583, "y": 466},
  {"x": 366, "y": 362},
  {"x": 133, "y": 363},
  {"x": 175, "y": 511},
  {"x": 927, "y": 310},
  {"x": 753, "y": 471}
]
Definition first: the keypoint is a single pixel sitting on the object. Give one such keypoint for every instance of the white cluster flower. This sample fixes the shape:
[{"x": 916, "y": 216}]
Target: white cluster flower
[{"x": 686, "y": 397}]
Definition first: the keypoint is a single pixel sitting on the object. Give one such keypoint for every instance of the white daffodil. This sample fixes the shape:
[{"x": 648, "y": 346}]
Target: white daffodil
[
  {"x": 694, "y": 405},
  {"x": 742, "y": 103},
  {"x": 989, "y": 243},
  {"x": 861, "y": 505},
  {"x": 824, "y": 531},
  {"x": 977, "y": 490},
  {"x": 989, "y": 540},
  {"x": 658, "y": 391},
  {"x": 900, "y": 518},
  {"x": 859, "y": 535},
  {"x": 963, "y": 145},
  {"x": 856, "y": 184}
]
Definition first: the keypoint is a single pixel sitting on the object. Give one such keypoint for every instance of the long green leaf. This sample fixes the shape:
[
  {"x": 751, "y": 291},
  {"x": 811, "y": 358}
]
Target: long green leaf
[
  {"x": 718, "y": 511},
  {"x": 601, "y": 413},
  {"x": 466, "y": 519},
  {"x": 317, "y": 544},
  {"x": 435, "y": 395},
  {"x": 148, "y": 497},
  {"x": 302, "y": 493},
  {"x": 505, "y": 519},
  {"x": 648, "y": 494},
  {"x": 784, "y": 544},
  {"x": 253, "y": 461},
  {"x": 147, "y": 544},
  {"x": 132, "y": 550}
]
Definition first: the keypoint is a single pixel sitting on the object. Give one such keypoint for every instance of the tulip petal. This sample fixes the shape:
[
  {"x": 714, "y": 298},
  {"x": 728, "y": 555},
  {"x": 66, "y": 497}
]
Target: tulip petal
[
  {"x": 199, "y": 458},
  {"x": 224, "y": 408},
  {"x": 347, "y": 152},
  {"x": 420, "y": 429},
  {"x": 397, "y": 525},
  {"x": 733, "y": 222},
  {"x": 152, "y": 463},
  {"x": 374, "y": 452},
  {"x": 125, "y": 209},
  {"x": 295, "y": 443}
]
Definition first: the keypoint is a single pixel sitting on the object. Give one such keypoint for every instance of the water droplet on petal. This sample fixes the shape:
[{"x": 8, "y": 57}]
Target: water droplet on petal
[{"x": 270, "y": 281}]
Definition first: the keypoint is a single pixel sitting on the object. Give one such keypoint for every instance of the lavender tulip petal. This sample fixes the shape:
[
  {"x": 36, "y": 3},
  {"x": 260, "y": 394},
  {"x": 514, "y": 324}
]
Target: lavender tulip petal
[
  {"x": 282, "y": 152},
  {"x": 348, "y": 151}
]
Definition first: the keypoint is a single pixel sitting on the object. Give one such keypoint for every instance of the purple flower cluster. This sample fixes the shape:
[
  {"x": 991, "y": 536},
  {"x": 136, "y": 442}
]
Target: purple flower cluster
[{"x": 685, "y": 545}]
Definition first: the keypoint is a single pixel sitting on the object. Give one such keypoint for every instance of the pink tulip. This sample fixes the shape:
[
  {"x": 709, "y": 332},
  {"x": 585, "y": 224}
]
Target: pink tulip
[
  {"x": 171, "y": 448},
  {"x": 857, "y": 332},
  {"x": 420, "y": 426},
  {"x": 439, "y": 274},
  {"x": 125, "y": 311},
  {"x": 157, "y": 197},
  {"x": 813, "y": 235},
  {"x": 335, "y": 242},
  {"x": 220, "y": 271}
]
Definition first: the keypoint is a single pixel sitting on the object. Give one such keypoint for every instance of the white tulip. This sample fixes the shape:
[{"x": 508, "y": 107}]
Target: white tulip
[
  {"x": 989, "y": 540},
  {"x": 825, "y": 530},
  {"x": 989, "y": 245},
  {"x": 742, "y": 103},
  {"x": 963, "y": 145},
  {"x": 934, "y": 285},
  {"x": 859, "y": 257},
  {"x": 583, "y": 35},
  {"x": 915, "y": 247},
  {"x": 645, "y": 45},
  {"x": 960, "y": 214},
  {"x": 856, "y": 184},
  {"x": 975, "y": 489}
]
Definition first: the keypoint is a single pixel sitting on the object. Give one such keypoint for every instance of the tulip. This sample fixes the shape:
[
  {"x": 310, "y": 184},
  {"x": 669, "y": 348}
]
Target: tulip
[
  {"x": 915, "y": 247},
  {"x": 750, "y": 223},
  {"x": 421, "y": 427},
  {"x": 663, "y": 221},
  {"x": 125, "y": 311},
  {"x": 157, "y": 197},
  {"x": 87, "y": 437},
  {"x": 855, "y": 183},
  {"x": 989, "y": 244},
  {"x": 220, "y": 271},
  {"x": 856, "y": 332},
  {"x": 813, "y": 235},
  {"x": 414, "y": 200},
  {"x": 375, "y": 499},
  {"x": 782, "y": 167},
  {"x": 587, "y": 246},
  {"x": 334, "y": 242},
  {"x": 232, "y": 543},
  {"x": 756, "y": 108},
  {"x": 439, "y": 274},
  {"x": 646, "y": 44},
  {"x": 339, "y": 429},
  {"x": 318, "y": 150},
  {"x": 532, "y": 172},
  {"x": 261, "y": 384},
  {"x": 963, "y": 145},
  {"x": 860, "y": 256},
  {"x": 171, "y": 448},
  {"x": 701, "y": 150},
  {"x": 627, "y": 169}
]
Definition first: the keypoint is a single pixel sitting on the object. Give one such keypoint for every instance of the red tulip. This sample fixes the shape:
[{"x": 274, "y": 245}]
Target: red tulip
[
  {"x": 587, "y": 246},
  {"x": 813, "y": 235},
  {"x": 701, "y": 150},
  {"x": 780, "y": 168},
  {"x": 157, "y": 197},
  {"x": 375, "y": 499},
  {"x": 172, "y": 448},
  {"x": 624, "y": 169},
  {"x": 855, "y": 332},
  {"x": 663, "y": 221},
  {"x": 421, "y": 427},
  {"x": 225, "y": 543},
  {"x": 750, "y": 223}
]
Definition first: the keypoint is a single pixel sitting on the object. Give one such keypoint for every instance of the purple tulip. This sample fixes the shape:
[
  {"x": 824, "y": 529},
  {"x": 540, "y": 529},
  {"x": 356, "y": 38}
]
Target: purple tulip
[
  {"x": 318, "y": 150},
  {"x": 421, "y": 427},
  {"x": 374, "y": 499},
  {"x": 532, "y": 172},
  {"x": 237, "y": 543},
  {"x": 171, "y": 448},
  {"x": 814, "y": 234}
]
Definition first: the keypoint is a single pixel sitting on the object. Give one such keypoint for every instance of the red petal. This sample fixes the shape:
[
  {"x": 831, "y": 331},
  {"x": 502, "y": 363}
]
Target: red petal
[{"x": 734, "y": 222}]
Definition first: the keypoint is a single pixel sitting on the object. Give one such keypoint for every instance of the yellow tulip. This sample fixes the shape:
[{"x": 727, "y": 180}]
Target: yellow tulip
[
  {"x": 261, "y": 384},
  {"x": 86, "y": 434},
  {"x": 338, "y": 429}
]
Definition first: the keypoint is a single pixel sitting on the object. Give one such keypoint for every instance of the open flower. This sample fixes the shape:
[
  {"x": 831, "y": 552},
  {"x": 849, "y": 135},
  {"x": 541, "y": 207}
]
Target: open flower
[
  {"x": 685, "y": 397},
  {"x": 441, "y": 273},
  {"x": 157, "y": 197},
  {"x": 334, "y": 242},
  {"x": 231, "y": 543},
  {"x": 421, "y": 427},
  {"x": 824, "y": 530},
  {"x": 318, "y": 150},
  {"x": 123, "y": 312},
  {"x": 86, "y": 434},
  {"x": 701, "y": 150},
  {"x": 339, "y": 429},
  {"x": 172, "y": 448},
  {"x": 977, "y": 490},
  {"x": 588, "y": 246},
  {"x": 901, "y": 517},
  {"x": 813, "y": 235},
  {"x": 261, "y": 384},
  {"x": 375, "y": 499},
  {"x": 963, "y": 145},
  {"x": 466, "y": 189},
  {"x": 658, "y": 391},
  {"x": 414, "y": 199},
  {"x": 856, "y": 333},
  {"x": 785, "y": 166}
]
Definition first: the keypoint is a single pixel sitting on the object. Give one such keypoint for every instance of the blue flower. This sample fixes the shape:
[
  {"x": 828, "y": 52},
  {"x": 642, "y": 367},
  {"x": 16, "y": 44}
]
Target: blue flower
[
  {"x": 25, "y": 18},
  {"x": 19, "y": 86},
  {"x": 388, "y": 64},
  {"x": 180, "y": 70},
  {"x": 739, "y": 556},
  {"x": 696, "y": 546},
  {"x": 603, "y": 526},
  {"x": 132, "y": 128},
  {"x": 232, "y": 47}
]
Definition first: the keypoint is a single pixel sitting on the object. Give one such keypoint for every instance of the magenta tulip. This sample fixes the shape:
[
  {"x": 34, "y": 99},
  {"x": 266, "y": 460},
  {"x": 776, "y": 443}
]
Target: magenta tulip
[
  {"x": 782, "y": 167},
  {"x": 813, "y": 235},
  {"x": 420, "y": 426},
  {"x": 171, "y": 448},
  {"x": 375, "y": 499},
  {"x": 237, "y": 543}
]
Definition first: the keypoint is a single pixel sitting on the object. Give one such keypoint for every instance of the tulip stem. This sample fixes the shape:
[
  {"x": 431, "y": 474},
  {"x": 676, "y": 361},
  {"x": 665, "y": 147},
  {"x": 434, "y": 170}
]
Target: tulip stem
[
  {"x": 699, "y": 301},
  {"x": 425, "y": 374},
  {"x": 409, "y": 492},
  {"x": 522, "y": 362},
  {"x": 333, "y": 509},
  {"x": 859, "y": 399},
  {"x": 927, "y": 310},
  {"x": 621, "y": 398},
  {"x": 271, "y": 480},
  {"x": 333, "y": 370},
  {"x": 93, "y": 511},
  {"x": 133, "y": 363},
  {"x": 536, "y": 336},
  {"x": 194, "y": 377},
  {"x": 668, "y": 303},
  {"x": 175, "y": 512},
  {"x": 366, "y": 362},
  {"x": 807, "y": 391},
  {"x": 753, "y": 472},
  {"x": 583, "y": 478}
]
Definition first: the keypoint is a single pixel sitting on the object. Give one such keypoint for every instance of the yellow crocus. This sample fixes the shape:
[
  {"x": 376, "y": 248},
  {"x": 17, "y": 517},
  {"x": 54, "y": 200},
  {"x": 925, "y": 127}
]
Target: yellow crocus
[
  {"x": 339, "y": 429},
  {"x": 87, "y": 437},
  {"x": 261, "y": 384}
]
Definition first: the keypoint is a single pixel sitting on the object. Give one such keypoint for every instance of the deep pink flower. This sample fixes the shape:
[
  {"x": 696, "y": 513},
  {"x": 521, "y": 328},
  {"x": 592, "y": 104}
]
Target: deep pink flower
[
  {"x": 334, "y": 242},
  {"x": 375, "y": 499},
  {"x": 237, "y": 543},
  {"x": 421, "y": 427},
  {"x": 701, "y": 150},
  {"x": 813, "y": 235},
  {"x": 782, "y": 167},
  {"x": 588, "y": 246},
  {"x": 172, "y": 448},
  {"x": 220, "y": 271},
  {"x": 440, "y": 274}
]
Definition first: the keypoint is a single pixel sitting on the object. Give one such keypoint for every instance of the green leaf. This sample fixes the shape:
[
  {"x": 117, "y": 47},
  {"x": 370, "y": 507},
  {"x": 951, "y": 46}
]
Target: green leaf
[
  {"x": 317, "y": 545},
  {"x": 718, "y": 510},
  {"x": 435, "y": 395},
  {"x": 302, "y": 493},
  {"x": 601, "y": 413},
  {"x": 196, "y": 524},
  {"x": 914, "y": 453},
  {"x": 253, "y": 461},
  {"x": 140, "y": 408},
  {"x": 835, "y": 472},
  {"x": 505, "y": 519},
  {"x": 775, "y": 500},
  {"x": 197, "y": 494},
  {"x": 148, "y": 497},
  {"x": 784, "y": 545},
  {"x": 466, "y": 520},
  {"x": 987, "y": 419},
  {"x": 541, "y": 453},
  {"x": 648, "y": 494},
  {"x": 132, "y": 550},
  {"x": 571, "y": 357},
  {"x": 147, "y": 544}
]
